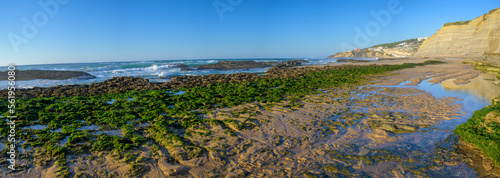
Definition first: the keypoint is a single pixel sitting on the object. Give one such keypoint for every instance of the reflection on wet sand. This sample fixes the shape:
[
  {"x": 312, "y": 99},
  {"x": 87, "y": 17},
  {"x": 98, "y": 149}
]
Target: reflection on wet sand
[
  {"x": 481, "y": 86},
  {"x": 397, "y": 126}
]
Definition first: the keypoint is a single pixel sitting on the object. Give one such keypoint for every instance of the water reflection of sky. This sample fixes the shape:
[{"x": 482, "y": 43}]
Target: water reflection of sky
[
  {"x": 481, "y": 86},
  {"x": 471, "y": 96},
  {"x": 467, "y": 96},
  {"x": 469, "y": 101}
]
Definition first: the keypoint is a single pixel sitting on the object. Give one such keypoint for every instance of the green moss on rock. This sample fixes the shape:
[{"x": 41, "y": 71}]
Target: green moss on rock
[{"x": 483, "y": 131}]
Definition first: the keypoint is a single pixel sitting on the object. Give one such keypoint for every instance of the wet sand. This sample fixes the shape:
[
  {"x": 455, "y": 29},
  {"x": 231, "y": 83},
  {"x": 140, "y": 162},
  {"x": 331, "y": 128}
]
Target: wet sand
[{"x": 385, "y": 128}]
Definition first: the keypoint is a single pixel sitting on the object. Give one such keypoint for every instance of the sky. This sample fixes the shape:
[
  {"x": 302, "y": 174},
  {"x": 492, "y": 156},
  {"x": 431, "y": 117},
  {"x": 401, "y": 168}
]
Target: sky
[{"x": 79, "y": 31}]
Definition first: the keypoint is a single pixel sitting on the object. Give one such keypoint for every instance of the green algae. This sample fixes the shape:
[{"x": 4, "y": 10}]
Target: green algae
[
  {"x": 170, "y": 115},
  {"x": 483, "y": 131}
]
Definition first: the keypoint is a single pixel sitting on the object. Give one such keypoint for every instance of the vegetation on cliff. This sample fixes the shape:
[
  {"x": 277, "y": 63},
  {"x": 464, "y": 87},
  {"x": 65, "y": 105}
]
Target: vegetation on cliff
[
  {"x": 485, "y": 16},
  {"x": 457, "y": 23},
  {"x": 394, "y": 44}
]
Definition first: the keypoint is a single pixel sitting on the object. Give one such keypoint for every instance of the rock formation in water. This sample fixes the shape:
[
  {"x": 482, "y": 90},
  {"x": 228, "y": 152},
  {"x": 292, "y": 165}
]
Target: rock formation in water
[
  {"x": 124, "y": 84},
  {"x": 227, "y": 65},
  {"x": 46, "y": 74},
  {"x": 480, "y": 36}
]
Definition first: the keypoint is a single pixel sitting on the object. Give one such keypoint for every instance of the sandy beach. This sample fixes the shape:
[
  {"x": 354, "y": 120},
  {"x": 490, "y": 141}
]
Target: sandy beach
[
  {"x": 389, "y": 126},
  {"x": 257, "y": 89}
]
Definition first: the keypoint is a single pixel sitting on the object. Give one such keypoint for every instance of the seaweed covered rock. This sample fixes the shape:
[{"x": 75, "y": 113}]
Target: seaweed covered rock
[
  {"x": 205, "y": 80},
  {"x": 116, "y": 84},
  {"x": 297, "y": 72},
  {"x": 483, "y": 131},
  {"x": 124, "y": 84}
]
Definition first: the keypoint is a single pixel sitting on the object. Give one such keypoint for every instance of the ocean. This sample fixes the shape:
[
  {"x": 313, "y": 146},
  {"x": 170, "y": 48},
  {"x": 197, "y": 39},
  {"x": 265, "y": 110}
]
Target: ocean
[{"x": 155, "y": 70}]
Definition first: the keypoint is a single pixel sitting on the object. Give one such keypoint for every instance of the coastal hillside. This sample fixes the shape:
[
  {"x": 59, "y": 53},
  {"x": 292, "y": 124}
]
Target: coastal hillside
[
  {"x": 395, "y": 49},
  {"x": 363, "y": 53},
  {"x": 473, "y": 37}
]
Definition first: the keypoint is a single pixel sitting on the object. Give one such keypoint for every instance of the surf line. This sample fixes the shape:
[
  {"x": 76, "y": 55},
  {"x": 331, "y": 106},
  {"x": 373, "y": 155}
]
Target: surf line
[{"x": 11, "y": 122}]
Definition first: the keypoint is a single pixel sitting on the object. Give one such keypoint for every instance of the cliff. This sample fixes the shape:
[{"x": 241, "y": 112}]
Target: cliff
[
  {"x": 364, "y": 53},
  {"x": 480, "y": 36},
  {"x": 394, "y": 49}
]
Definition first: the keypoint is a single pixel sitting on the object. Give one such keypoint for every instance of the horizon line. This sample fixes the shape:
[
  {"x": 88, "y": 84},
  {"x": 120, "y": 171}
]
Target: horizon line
[{"x": 134, "y": 60}]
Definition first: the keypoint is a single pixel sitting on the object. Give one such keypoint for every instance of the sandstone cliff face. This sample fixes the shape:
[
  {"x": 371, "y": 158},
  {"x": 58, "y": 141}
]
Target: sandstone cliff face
[
  {"x": 359, "y": 54},
  {"x": 480, "y": 36}
]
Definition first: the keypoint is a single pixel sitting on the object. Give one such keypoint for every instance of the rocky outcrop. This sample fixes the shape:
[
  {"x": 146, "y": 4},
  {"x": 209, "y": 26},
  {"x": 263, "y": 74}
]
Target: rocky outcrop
[
  {"x": 205, "y": 80},
  {"x": 398, "y": 52},
  {"x": 116, "y": 84},
  {"x": 124, "y": 84},
  {"x": 46, "y": 74},
  {"x": 492, "y": 59},
  {"x": 180, "y": 65},
  {"x": 227, "y": 65},
  {"x": 480, "y": 36},
  {"x": 363, "y": 53},
  {"x": 290, "y": 63}
]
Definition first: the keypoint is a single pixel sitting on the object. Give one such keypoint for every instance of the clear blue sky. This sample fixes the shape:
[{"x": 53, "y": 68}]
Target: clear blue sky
[{"x": 124, "y": 30}]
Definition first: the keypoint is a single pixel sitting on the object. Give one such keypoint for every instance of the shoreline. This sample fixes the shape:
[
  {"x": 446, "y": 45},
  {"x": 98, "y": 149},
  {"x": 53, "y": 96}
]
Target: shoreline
[
  {"x": 244, "y": 137},
  {"x": 125, "y": 83}
]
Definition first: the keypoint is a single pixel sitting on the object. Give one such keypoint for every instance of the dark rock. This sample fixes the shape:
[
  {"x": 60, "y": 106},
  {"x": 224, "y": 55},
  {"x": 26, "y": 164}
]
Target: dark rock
[
  {"x": 116, "y": 84},
  {"x": 124, "y": 84},
  {"x": 180, "y": 65},
  {"x": 46, "y": 74},
  {"x": 226, "y": 65},
  {"x": 188, "y": 68},
  {"x": 290, "y": 63}
]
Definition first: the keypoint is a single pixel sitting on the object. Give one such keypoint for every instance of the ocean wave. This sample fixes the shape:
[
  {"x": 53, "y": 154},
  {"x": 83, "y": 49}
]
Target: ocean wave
[
  {"x": 153, "y": 70},
  {"x": 118, "y": 71},
  {"x": 168, "y": 73},
  {"x": 160, "y": 67},
  {"x": 154, "y": 67},
  {"x": 104, "y": 68}
]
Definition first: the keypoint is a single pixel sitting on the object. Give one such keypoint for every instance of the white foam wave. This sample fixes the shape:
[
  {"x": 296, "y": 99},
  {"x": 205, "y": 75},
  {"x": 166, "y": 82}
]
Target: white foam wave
[
  {"x": 160, "y": 67},
  {"x": 167, "y": 73}
]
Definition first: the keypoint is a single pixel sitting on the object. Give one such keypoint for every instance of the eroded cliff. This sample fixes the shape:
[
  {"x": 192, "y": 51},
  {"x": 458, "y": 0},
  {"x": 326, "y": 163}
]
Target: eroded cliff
[
  {"x": 363, "y": 53},
  {"x": 480, "y": 36}
]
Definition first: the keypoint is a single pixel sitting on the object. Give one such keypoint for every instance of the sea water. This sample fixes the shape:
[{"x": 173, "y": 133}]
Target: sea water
[{"x": 154, "y": 71}]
